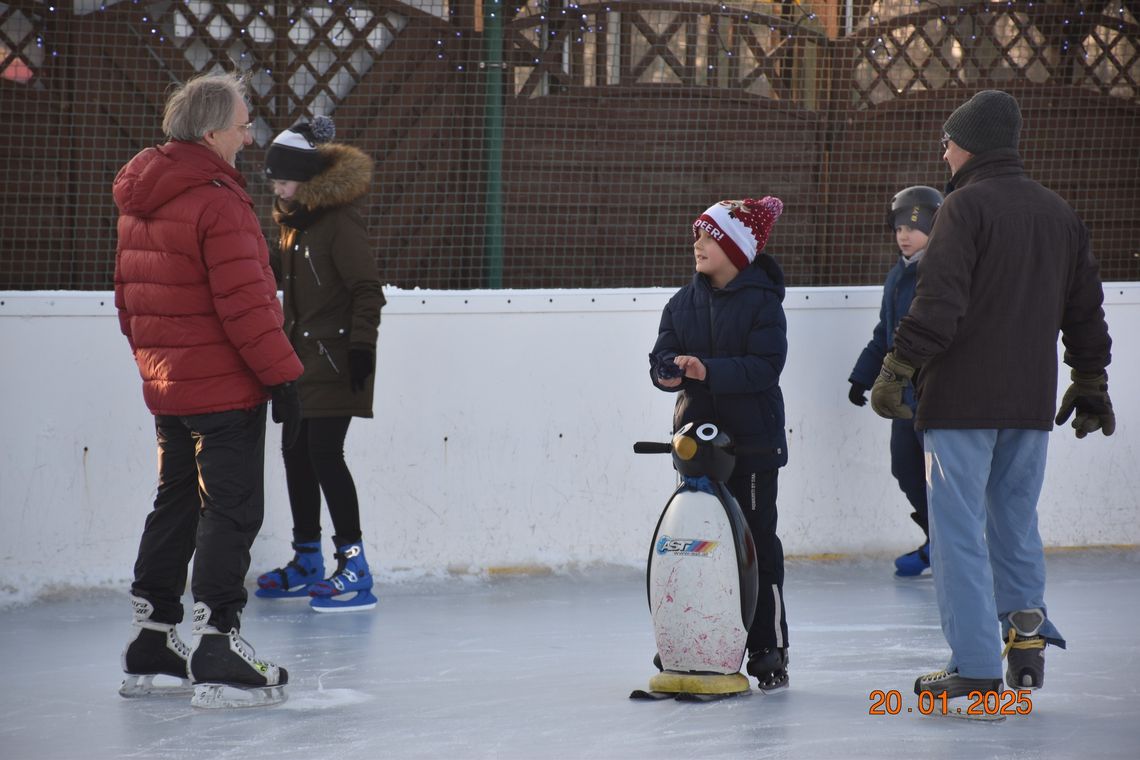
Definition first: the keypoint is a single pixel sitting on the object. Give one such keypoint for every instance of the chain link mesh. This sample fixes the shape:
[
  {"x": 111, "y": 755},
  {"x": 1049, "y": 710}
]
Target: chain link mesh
[{"x": 559, "y": 144}]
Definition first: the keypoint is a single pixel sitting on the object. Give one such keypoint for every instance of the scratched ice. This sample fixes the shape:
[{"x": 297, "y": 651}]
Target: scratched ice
[{"x": 542, "y": 668}]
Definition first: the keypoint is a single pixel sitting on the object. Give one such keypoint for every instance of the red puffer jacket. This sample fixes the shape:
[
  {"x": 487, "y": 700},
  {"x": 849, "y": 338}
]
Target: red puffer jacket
[{"x": 193, "y": 287}]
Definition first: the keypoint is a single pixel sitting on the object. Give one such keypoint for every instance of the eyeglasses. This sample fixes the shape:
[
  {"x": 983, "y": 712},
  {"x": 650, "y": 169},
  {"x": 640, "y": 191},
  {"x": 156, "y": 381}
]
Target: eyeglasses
[
  {"x": 245, "y": 127},
  {"x": 945, "y": 142}
]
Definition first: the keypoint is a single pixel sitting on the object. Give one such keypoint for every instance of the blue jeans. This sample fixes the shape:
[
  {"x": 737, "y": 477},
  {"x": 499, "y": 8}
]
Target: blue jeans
[{"x": 985, "y": 549}]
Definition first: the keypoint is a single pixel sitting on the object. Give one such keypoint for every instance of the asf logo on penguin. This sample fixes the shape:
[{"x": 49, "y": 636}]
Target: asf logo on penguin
[{"x": 695, "y": 546}]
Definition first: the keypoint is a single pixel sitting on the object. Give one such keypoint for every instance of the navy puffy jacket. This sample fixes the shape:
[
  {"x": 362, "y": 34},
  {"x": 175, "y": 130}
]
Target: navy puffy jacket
[
  {"x": 740, "y": 334},
  {"x": 898, "y": 292}
]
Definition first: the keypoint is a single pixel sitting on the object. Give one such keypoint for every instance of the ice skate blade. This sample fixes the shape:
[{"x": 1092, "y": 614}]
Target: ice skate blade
[
  {"x": 360, "y": 601},
  {"x": 963, "y": 715},
  {"x": 135, "y": 686},
  {"x": 283, "y": 593},
  {"x": 212, "y": 696},
  {"x": 777, "y": 689}
]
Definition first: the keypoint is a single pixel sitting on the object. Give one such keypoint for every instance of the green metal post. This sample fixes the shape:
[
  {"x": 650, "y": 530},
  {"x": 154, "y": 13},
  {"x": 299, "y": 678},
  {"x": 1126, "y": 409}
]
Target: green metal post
[{"x": 493, "y": 66}]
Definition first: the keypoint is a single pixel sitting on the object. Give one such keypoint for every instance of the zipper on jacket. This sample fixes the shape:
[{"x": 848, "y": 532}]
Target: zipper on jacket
[
  {"x": 313, "y": 266},
  {"x": 325, "y": 353},
  {"x": 712, "y": 351}
]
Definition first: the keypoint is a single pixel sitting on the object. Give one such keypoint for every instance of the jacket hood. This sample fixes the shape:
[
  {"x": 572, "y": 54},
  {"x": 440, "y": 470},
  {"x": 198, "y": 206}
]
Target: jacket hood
[
  {"x": 348, "y": 177},
  {"x": 775, "y": 275},
  {"x": 763, "y": 273},
  {"x": 157, "y": 175}
]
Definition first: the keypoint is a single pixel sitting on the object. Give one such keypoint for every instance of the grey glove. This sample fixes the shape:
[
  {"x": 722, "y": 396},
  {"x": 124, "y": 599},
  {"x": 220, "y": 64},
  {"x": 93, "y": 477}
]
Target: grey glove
[
  {"x": 1088, "y": 395},
  {"x": 887, "y": 392}
]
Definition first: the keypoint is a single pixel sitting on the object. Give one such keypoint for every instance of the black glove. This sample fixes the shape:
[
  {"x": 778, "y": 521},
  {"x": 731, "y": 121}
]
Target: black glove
[
  {"x": 361, "y": 365},
  {"x": 287, "y": 411},
  {"x": 887, "y": 392},
  {"x": 665, "y": 369},
  {"x": 855, "y": 395},
  {"x": 1089, "y": 396}
]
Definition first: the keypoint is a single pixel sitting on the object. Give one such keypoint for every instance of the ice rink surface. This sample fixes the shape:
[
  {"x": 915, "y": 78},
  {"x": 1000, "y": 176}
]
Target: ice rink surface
[{"x": 541, "y": 667}]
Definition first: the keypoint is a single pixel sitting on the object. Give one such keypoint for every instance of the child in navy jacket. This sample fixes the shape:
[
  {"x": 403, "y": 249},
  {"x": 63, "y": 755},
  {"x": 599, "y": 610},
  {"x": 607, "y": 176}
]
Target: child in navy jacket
[
  {"x": 910, "y": 217},
  {"x": 726, "y": 335}
]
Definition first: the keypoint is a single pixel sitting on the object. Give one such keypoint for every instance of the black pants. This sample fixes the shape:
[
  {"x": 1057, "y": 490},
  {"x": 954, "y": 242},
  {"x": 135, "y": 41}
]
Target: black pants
[
  {"x": 908, "y": 465},
  {"x": 756, "y": 494},
  {"x": 315, "y": 464},
  {"x": 210, "y": 503}
]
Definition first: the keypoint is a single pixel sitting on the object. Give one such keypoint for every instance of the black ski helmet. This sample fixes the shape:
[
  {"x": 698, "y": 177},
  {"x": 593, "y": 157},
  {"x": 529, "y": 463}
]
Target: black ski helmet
[
  {"x": 702, "y": 448},
  {"x": 914, "y": 200}
]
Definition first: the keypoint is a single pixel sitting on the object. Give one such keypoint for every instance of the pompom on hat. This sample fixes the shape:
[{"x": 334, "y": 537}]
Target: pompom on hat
[
  {"x": 740, "y": 228},
  {"x": 293, "y": 154},
  {"x": 988, "y": 121}
]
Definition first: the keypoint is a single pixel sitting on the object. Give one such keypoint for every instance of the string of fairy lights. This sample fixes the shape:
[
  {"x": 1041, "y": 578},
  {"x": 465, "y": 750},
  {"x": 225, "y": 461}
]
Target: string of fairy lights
[
  {"x": 882, "y": 50},
  {"x": 589, "y": 21}
]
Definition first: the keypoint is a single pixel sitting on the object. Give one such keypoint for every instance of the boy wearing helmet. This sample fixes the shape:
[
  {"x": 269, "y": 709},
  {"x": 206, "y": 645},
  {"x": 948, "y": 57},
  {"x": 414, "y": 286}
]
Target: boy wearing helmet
[{"x": 910, "y": 217}]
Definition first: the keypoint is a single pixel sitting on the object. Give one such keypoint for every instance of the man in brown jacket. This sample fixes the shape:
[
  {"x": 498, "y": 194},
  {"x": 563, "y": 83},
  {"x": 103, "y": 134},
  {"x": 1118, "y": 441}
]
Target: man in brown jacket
[{"x": 1007, "y": 268}]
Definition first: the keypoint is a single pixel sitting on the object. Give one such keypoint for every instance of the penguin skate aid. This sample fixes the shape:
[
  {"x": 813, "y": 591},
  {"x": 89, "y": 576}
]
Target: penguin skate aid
[{"x": 701, "y": 542}]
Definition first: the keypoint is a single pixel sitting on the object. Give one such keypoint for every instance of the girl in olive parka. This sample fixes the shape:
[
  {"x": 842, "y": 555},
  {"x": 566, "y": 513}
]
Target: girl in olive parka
[{"x": 333, "y": 298}]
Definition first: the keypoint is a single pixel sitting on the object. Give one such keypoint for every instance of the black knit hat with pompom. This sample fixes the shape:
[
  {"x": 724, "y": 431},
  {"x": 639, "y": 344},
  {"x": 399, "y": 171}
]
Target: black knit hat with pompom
[{"x": 293, "y": 155}]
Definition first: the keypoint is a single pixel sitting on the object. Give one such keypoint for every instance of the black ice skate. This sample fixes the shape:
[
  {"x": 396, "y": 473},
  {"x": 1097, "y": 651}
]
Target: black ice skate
[
  {"x": 770, "y": 668},
  {"x": 226, "y": 671},
  {"x": 1025, "y": 650},
  {"x": 956, "y": 686},
  {"x": 155, "y": 649}
]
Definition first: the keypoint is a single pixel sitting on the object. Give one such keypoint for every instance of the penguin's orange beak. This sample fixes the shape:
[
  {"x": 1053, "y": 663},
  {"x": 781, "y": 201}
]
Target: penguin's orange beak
[{"x": 685, "y": 447}]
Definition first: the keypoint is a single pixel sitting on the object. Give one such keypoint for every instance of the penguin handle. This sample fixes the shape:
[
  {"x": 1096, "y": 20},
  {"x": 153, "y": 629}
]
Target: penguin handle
[{"x": 652, "y": 447}]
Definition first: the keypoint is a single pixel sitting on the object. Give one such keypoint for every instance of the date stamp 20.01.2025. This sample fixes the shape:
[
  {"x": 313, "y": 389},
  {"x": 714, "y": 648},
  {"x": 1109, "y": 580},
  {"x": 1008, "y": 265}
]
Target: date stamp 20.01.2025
[{"x": 978, "y": 704}]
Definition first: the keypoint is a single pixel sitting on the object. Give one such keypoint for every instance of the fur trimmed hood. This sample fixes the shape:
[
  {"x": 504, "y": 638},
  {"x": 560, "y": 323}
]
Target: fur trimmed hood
[{"x": 347, "y": 177}]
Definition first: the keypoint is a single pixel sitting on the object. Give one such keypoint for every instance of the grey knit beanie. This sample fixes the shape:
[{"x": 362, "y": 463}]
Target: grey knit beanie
[{"x": 988, "y": 121}]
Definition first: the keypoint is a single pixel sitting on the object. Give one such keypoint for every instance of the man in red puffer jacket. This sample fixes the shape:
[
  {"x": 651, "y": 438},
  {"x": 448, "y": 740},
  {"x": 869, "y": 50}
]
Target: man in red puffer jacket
[{"x": 198, "y": 304}]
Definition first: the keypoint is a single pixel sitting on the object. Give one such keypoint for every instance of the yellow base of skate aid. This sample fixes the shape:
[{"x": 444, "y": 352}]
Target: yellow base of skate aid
[{"x": 716, "y": 683}]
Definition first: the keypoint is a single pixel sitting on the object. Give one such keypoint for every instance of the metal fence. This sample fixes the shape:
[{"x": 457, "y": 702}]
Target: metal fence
[{"x": 557, "y": 144}]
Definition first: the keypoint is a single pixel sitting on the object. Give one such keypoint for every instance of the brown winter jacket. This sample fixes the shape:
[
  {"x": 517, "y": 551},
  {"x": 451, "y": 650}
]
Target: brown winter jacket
[
  {"x": 327, "y": 269},
  {"x": 193, "y": 287},
  {"x": 1007, "y": 267}
]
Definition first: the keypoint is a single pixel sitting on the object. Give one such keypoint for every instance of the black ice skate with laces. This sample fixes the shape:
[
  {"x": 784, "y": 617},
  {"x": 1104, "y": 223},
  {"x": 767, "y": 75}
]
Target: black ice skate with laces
[
  {"x": 226, "y": 671},
  {"x": 155, "y": 650},
  {"x": 956, "y": 686}
]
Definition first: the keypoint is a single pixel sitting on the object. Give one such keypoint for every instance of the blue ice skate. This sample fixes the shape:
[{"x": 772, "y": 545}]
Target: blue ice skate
[
  {"x": 913, "y": 563},
  {"x": 350, "y": 587},
  {"x": 297, "y": 578}
]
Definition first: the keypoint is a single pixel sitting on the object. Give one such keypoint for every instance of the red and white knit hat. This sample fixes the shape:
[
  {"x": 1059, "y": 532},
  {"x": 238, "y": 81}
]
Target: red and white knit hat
[{"x": 740, "y": 228}]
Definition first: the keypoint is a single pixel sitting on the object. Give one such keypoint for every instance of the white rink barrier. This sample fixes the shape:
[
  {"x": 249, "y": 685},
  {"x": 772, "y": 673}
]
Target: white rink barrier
[{"x": 502, "y": 439}]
